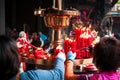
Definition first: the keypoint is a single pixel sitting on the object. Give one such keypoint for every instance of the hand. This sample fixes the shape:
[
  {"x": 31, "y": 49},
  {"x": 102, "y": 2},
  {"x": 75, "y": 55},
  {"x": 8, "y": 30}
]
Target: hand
[
  {"x": 71, "y": 56},
  {"x": 61, "y": 55},
  {"x": 58, "y": 49},
  {"x": 59, "y": 52},
  {"x": 22, "y": 67}
]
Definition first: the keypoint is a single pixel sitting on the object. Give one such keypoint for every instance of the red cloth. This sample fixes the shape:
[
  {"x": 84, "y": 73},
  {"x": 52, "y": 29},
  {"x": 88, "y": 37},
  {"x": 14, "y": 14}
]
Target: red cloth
[{"x": 24, "y": 48}]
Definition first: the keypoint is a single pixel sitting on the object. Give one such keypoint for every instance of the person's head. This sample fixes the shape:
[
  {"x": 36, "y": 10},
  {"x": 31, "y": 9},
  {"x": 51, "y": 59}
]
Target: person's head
[
  {"x": 34, "y": 35},
  {"x": 40, "y": 32},
  {"x": 9, "y": 59},
  {"x": 22, "y": 34},
  {"x": 106, "y": 54}
]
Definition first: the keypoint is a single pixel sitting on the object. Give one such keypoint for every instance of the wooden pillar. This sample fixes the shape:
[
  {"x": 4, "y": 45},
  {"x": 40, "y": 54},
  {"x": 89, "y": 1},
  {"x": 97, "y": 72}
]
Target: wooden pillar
[{"x": 2, "y": 17}]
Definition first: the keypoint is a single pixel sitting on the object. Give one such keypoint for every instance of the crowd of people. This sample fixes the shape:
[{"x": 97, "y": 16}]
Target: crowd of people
[
  {"x": 105, "y": 53},
  {"x": 106, "y": 57},
  {"x": 33, "y": 40},
  {"x": 37, "y": 39}
]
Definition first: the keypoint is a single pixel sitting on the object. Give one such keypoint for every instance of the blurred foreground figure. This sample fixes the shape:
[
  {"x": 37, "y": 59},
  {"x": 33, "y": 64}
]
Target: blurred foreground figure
[
  {"x": 106, "y": 57},
  {"x": 10, "y": 68}
]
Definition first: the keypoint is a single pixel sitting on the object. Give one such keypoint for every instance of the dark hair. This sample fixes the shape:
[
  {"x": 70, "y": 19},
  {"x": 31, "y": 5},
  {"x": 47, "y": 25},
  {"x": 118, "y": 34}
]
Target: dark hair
[
  {"x": 106, "y": 54},
  {"x": 9, "y": 59}
]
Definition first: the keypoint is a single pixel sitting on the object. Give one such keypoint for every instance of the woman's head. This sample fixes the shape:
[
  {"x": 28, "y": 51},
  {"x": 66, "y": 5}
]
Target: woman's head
[
  {"x": 22, "y": 34},
  {"x": 9, "y": 60},
  {"x": 107, "y": 54}
]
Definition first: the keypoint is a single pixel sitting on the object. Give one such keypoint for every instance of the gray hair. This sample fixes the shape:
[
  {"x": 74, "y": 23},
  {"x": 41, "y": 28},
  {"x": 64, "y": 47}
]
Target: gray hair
[{"x": 22, "y": 34}]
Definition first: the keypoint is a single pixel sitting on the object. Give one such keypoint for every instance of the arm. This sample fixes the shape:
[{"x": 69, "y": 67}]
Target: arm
[
  {"x": 69, "y": 70},
  {"x": 42, "y": 42},
  {"x": 69, "y": 75},
  {"x": 55, "y": 74}
]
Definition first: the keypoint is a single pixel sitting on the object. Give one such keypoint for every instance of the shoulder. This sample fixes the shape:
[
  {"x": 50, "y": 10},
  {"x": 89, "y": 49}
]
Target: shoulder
[
  {"x": 88, "y": 77},
  {"x": 29, "y": 75},
  {"x": 93, "y": 76}
]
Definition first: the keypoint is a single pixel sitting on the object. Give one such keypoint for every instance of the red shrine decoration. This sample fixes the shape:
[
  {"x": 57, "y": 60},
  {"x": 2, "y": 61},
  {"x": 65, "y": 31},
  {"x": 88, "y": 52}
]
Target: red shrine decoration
[
  {"x": 84, "y": 40},
  {"x": 39, "y": 53},
  {"x": 69, "y": 44},
  {"x": 84, "y": 36},
  {"x": 80, "y": 45}
]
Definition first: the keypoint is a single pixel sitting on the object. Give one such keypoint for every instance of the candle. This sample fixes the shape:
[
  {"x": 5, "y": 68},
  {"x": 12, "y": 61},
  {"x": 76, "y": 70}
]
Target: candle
[
  {"x": 59, "y": 4},
  {"x": 53, "y": 3},
  {"x": 73, "y": 45},
  {"x": 66, "y": 45}
]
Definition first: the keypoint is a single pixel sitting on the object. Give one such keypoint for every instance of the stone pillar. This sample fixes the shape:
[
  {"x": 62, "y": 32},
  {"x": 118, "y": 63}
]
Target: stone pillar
[{"x": 2, "y": 17}]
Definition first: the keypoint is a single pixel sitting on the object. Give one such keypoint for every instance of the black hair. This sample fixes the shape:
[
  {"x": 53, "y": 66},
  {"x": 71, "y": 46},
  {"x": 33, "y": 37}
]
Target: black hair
[
  {"x": 9, "y": 59},
  {"x": 106, "y": 54}
]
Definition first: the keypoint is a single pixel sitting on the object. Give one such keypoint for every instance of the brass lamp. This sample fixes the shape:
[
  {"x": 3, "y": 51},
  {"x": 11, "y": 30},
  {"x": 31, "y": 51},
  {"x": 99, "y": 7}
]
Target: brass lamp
[{"x": 56, "y": 18}]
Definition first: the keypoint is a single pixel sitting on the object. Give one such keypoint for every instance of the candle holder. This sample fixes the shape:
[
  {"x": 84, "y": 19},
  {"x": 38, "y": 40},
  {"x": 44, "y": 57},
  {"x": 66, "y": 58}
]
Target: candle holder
[
  {"x": 39, "y": 12},
  {"x": 56, "y": 18}
]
